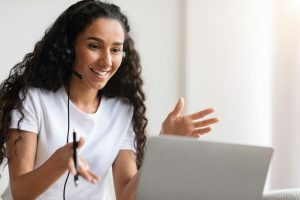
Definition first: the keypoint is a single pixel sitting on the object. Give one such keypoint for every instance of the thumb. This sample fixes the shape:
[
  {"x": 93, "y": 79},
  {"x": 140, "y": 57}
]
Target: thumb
[
  {"x": 179, "y": 107},
  {"x": 80, "y": 142}
]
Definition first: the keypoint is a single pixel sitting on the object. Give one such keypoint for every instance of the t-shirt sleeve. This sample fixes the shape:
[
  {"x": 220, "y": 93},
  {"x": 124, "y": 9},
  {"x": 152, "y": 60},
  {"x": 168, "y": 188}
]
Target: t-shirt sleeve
[
  {"x": 30, "y": 120},
  {"x": 129, "y": 141}
]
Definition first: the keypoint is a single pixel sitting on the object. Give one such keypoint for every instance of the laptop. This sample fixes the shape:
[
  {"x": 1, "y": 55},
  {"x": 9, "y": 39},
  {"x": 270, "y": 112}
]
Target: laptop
[{"x": 181, "y": 168}]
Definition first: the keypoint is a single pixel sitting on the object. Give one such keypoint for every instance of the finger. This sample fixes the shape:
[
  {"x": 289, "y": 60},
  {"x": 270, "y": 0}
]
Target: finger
[
  {"x": 196, "y": 135},
  {"x": 72, "y": 168},
  {"x": 81, "y": 142},
  {"x": 95, "y": 178},
  {"x": 206, "y": 122},
  {"x": 201, "y": 131},
  {"x": 82, "y": 164},
  {"x": 202, "y": 113},
  {"x": 85, "y": 174},
  {"x": 83, "y": 169},
  {"x": 178, "y": 107},
  {"x": 89, "y": 176}
]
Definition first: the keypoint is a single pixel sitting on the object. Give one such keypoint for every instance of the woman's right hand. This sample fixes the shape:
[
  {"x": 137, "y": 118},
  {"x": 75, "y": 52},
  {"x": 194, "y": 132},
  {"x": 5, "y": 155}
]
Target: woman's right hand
[{"x": 65, "y": 153}]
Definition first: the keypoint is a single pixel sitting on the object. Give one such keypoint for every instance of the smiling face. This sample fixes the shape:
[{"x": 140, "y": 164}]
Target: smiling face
[{"x": 98, "y": 52}]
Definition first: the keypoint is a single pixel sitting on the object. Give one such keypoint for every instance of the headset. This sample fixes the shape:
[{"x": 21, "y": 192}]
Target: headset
[{"x": 77, "y": 74}]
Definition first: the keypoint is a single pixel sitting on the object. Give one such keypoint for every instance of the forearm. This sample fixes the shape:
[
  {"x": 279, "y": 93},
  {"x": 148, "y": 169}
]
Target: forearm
[
  {"x": 34, "y": 183},
  {"x": 129, "y": 192}
]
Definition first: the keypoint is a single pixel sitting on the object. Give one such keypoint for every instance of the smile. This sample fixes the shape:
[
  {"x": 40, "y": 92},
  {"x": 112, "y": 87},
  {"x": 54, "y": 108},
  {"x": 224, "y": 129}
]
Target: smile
[{"x": 99, "y": 72}]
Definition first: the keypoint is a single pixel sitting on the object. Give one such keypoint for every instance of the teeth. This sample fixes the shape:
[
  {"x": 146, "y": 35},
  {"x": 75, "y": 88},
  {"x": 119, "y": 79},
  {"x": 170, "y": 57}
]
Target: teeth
[{"x": 100, "y": 73}]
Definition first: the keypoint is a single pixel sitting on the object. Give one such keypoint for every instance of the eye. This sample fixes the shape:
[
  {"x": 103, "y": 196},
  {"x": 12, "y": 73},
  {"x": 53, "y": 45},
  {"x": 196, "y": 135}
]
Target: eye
[
  {"x": 116, "y": 50},
  {"x": 93, "y": 46}
]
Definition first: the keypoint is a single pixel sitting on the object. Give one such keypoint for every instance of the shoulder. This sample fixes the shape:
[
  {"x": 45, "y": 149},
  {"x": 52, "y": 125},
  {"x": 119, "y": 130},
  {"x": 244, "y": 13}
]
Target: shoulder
[
  {"x": 39, "y": 96},
  {"x": 40, "y": 92}
]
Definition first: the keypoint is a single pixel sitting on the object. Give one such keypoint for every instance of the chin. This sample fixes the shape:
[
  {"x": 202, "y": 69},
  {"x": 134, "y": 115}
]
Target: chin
[
  {"x": 96, "y": 84},
  {"x": 100, "y": 87}
]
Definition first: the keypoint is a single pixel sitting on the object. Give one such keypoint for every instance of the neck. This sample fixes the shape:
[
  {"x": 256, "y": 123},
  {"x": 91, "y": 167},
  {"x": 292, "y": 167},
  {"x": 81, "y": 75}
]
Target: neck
[{"x": 86, "y": 99}]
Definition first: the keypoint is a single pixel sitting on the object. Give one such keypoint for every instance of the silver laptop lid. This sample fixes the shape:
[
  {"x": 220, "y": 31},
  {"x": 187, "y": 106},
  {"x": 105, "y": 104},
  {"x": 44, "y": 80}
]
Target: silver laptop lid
[{"x": 177, "y": 168}]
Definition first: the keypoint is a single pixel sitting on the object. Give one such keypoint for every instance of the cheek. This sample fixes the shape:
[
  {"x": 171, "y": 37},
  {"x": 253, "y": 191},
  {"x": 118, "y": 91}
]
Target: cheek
[
  {"x": 84, "y": 58},
  {"x": 117, "y": 64},
  {"x": 80, "y": 58}
]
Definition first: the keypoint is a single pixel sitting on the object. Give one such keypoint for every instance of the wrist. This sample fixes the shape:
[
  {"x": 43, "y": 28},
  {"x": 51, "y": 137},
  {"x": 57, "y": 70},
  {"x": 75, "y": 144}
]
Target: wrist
[
  {"x": 163, "y": 130},
  {"x": 60, "y": 160}
]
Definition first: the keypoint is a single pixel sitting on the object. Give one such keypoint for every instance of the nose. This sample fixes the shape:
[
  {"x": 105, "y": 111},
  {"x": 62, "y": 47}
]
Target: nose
[{"x": 105, "y": 59}]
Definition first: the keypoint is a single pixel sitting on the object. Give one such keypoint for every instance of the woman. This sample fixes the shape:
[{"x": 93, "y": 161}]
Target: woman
[{"x": 84, "y": 76}]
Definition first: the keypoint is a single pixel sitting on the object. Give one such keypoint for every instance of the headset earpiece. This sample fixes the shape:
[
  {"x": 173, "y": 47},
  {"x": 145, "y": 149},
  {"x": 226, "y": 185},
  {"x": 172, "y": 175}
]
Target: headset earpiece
[{"x": 68, "y": 51}]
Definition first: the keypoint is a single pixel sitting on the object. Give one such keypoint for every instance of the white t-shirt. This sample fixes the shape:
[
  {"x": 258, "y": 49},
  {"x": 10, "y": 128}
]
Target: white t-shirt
[{"x": 106, "y": 132}]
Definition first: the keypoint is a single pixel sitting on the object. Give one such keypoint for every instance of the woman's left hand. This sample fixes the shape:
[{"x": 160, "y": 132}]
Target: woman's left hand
[{"x": 187, "y": 125}]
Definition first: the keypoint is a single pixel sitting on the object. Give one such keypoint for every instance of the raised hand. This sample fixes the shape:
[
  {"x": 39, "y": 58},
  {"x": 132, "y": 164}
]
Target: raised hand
[
  {"x": 188, "y": 125},
  {"x": 66, "y": 153}
]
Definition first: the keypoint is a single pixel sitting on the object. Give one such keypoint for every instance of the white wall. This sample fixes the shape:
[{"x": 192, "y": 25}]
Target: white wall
[
  {"x": 286, "y": 96},
  {"x": 229, "y": 66}
]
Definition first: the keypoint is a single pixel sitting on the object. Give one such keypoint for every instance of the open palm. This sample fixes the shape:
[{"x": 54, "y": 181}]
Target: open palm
[{"x": 188, "y": 125}]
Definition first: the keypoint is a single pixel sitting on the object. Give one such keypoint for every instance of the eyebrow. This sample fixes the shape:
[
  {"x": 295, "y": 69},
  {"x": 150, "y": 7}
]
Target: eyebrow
[{"x": 101, "y": 41}]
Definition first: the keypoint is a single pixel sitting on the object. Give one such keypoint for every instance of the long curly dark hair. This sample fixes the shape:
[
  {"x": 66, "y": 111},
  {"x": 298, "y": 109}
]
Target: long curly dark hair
[{"x": 48, "y": 67}]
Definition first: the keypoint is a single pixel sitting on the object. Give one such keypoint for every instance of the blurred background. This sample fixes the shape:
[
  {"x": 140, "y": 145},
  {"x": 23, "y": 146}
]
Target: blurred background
[{"x": 241, "y": 57}]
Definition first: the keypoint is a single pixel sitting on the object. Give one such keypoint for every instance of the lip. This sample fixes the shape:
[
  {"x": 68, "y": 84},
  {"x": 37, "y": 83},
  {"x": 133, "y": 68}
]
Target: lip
[{"x": 101, "y": 74}]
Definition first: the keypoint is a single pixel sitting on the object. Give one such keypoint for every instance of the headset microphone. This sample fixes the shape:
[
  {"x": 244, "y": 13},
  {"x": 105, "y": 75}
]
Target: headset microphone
[{"x": 76, "y": 73}]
